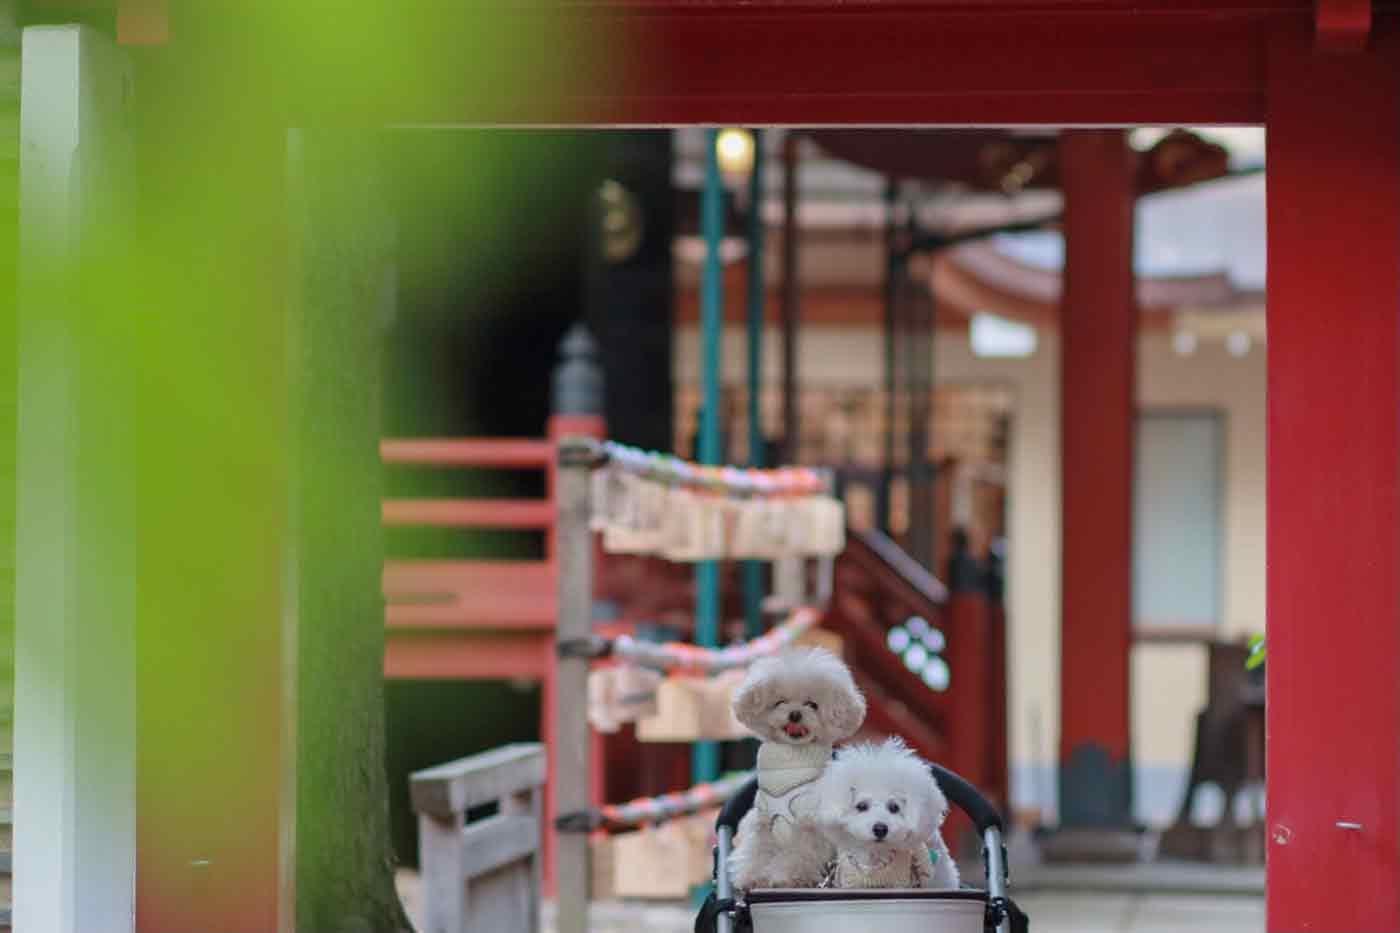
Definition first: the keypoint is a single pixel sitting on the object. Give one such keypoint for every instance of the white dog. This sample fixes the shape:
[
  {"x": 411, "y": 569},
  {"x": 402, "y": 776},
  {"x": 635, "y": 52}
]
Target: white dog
[
  {"x": 799, "y": 704},
  {"x": 882, "y": 809}
]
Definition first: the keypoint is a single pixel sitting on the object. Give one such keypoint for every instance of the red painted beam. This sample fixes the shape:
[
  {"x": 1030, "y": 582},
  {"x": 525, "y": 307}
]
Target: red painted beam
[
  {"x": 892, "y": 62},
  {"x": 1342, "y": 25},
  {"x": 495, "y": 610},
  {"x": 1097, "y": 422},
  {"x": 501, "y": 453},
  {"x": 527, "y": 514},
  {"x": 1334, "y": 488},
  {"x": 885, "y": 63}
]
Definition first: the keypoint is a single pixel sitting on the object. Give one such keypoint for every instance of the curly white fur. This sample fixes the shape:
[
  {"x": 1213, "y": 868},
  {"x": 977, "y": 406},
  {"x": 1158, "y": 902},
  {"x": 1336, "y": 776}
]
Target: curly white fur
[
  {"x": 881, "y": 809},
  {"x": 799, "y": 703}
]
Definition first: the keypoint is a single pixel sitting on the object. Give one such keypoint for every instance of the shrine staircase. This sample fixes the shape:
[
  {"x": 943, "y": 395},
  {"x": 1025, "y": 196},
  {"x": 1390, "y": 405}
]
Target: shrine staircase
[{"x": 929, "y": 656}]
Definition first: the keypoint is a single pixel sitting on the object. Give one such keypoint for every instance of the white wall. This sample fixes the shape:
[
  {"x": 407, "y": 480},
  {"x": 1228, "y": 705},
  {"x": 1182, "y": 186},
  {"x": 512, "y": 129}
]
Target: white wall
[{"x": 1169, "y": 681}]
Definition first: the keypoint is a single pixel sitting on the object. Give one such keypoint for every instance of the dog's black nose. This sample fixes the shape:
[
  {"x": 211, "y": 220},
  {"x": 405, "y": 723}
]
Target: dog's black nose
[
  {"x": 880, "y": 830},
  {"x": 795, "y": 716}
]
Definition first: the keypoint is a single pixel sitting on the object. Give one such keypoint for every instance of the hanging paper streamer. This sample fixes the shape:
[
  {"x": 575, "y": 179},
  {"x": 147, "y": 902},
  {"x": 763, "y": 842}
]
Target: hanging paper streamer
[
  {"x": 655, "y": 810},
  {"x": 678, "y": 656},
  {"x": 648, "y": 503},
  {"x": 621, "y": 694}
]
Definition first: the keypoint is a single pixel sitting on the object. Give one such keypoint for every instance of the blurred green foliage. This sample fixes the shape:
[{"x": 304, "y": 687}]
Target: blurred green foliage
[
  {"x": 180, "y": 286},
  {"x": 1256, "y": 653}
]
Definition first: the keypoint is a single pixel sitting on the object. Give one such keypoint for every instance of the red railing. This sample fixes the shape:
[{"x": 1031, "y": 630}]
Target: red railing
[{"x": 481, "y": 619}]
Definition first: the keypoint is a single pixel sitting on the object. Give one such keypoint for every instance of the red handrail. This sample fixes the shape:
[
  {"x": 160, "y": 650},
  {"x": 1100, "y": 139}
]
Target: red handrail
[{"x": 494, "y": 453}]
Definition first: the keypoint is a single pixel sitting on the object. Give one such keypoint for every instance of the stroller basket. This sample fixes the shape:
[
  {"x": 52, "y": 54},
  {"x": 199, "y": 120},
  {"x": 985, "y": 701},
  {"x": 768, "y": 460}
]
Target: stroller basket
[{"x": 810, "y": 910}]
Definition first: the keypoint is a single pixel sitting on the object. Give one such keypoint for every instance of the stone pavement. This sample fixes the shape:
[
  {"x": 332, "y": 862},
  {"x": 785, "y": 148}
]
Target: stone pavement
[{"x": 1053, "y": 908}]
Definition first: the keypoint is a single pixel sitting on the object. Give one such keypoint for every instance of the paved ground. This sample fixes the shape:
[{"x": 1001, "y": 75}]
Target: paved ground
[
  {"x": 1057, "y": 911},
  {"x": 1163, "y": 879}
]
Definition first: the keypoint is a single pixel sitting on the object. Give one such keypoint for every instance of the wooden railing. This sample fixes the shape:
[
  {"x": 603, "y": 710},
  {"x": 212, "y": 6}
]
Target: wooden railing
[
  {"x": 483, "y": 873},
  {"x": 490, "y": 619},
  {"x": 463, "y": 619}
]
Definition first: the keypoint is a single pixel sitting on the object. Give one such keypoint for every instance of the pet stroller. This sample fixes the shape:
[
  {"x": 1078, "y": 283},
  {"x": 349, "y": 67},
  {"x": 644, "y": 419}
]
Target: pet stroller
[{"x": 820, "y": 910}]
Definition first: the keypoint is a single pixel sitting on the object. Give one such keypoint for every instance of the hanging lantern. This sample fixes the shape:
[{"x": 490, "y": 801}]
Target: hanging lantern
[{"x": 735, "y": 149}]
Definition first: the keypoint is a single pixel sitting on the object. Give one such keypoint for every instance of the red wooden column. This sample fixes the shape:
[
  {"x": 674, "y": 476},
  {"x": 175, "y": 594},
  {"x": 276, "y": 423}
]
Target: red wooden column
[
  {"x": 998, "y": 778},
  {"x": 1098, "y": 352},
  {"x": 1333, "y": 485},
  {"x": 968, "y": 654}
]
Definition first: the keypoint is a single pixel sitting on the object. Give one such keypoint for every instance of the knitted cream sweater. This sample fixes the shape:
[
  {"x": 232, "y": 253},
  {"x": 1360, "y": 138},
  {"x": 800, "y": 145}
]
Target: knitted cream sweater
[
  {"x": 787, "y": 789},
  {"x": 781, "y": 768}
]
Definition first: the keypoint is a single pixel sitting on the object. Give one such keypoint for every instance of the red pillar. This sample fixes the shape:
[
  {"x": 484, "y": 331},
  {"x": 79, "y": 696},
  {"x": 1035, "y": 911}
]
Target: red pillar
[
  {"x": 997, "y": 781},
  {"x": 1098, "y": 353},
  {"x": 1333, "y": 483},
  {"x": 969, "y": 663}
]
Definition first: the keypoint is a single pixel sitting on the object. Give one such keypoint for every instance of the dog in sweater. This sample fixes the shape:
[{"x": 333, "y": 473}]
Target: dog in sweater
[
  {"x": 799, "y": 703},
  {"x": 881, "y": 809}
]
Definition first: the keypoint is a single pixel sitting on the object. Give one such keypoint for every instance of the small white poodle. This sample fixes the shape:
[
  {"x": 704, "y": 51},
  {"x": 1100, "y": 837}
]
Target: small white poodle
[
  {"x": 882, "y": 809},
  {"x": 799, "y": 703}
]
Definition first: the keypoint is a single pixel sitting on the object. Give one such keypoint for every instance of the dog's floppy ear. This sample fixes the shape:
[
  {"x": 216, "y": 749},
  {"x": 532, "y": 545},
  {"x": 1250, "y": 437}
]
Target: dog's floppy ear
[
  {"x": 753, "y": 695},
  {"x": 848, "y": 712},
  {"x": 932, "y": 809}
]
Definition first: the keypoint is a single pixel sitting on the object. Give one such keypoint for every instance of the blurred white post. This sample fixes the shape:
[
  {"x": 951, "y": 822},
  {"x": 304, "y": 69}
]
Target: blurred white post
[
  {"x": 571, "y": 732},
  {"x": 75, "y": 586}
]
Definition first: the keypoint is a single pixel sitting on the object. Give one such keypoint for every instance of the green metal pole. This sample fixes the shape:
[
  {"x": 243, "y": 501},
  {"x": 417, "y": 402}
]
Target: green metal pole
[
  {"x": 753, "y": 570},
  {"x": 704, "y": 761}
]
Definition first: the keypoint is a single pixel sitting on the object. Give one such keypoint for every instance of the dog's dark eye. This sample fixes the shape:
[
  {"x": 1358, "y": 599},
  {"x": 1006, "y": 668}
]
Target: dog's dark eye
[
  {"x": 779, "y": 703},
  {"x": 862, "y": 807},
  {"x": 892, "y": 806},
  {"x": 811, "y": 704}
]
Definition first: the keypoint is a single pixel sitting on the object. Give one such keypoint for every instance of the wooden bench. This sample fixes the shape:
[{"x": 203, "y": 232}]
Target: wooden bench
[{"x": 481, "y": 874}]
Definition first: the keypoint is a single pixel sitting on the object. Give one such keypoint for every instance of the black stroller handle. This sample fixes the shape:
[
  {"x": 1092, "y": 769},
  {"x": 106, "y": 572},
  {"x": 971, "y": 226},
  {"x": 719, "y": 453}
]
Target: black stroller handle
[
  {"x": 968, "y": 799},
  {"x": 735, "y": 807},
  {"x": 958, "y": 790}
]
